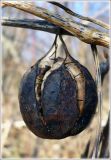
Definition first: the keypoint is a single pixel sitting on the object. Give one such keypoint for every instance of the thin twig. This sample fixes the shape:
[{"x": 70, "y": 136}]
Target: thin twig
[{"x": 85, "y": 33}]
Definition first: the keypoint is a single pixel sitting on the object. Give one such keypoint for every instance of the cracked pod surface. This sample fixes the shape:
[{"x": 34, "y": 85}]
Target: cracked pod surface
[{"x": 57, "y": 97}]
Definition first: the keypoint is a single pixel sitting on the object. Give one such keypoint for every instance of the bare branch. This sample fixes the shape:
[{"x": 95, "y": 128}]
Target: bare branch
[
  {"x": 41, "y": 25},
  {"x": 85, "y": 33},
  {"x": 95, "y": 21}
]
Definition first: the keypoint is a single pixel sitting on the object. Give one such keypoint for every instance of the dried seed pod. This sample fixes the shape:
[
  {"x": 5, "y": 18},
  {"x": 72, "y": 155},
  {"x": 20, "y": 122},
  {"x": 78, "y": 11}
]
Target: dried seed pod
[{"x": 57, "y": 97}]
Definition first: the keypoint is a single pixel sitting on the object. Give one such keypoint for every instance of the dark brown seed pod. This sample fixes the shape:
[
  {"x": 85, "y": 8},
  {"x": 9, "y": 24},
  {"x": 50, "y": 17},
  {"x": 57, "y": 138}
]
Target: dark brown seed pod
[{"x": 57, "y": 97}]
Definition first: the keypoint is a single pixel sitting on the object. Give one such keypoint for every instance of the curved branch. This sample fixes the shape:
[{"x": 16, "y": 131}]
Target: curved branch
[
  {"x": 85, "y": 33},
  {"x": 95, "y": 21}
]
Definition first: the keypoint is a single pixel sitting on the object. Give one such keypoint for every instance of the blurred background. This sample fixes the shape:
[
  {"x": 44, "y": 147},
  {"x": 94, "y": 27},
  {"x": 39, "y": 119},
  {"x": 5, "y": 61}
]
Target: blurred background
[{"x": 21, "y": 48}]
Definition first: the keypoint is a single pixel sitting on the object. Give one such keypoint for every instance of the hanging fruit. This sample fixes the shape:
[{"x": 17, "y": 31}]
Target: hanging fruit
[{"x": 57, "y": 96}]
